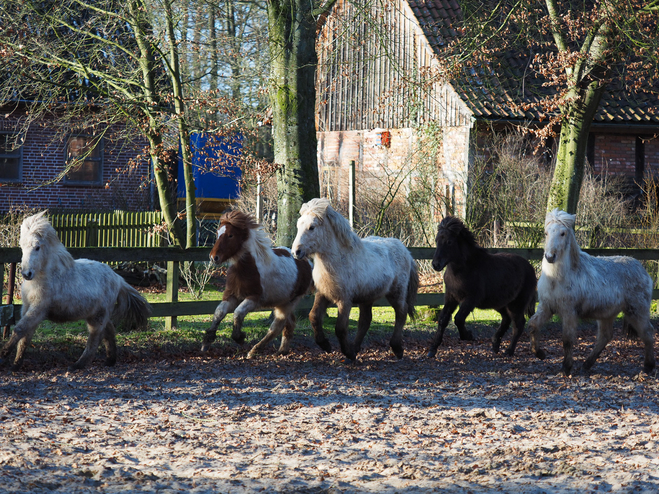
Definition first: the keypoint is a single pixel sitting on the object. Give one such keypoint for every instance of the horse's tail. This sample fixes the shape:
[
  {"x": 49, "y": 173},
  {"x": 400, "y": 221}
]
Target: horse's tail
[
  {"x": 131, "y": 308},
  {"x": 530, "y": 309},
  {"x": 412, "y": 289},
  {"x": 628, "y": 330}
]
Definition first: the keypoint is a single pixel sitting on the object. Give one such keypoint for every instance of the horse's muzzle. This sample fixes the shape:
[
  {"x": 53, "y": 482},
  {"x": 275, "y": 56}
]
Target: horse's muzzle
[
  {"x": 550, "y": 258},
  {"x": 438, "y": 264},
  {"x": 299, "y": 254},
  {"x": 27, "y": 275}
]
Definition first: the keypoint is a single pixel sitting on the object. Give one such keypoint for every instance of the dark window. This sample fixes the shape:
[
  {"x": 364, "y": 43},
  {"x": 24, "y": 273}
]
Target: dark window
[
  {"x": 84, "y": 159},
  {"x": 11, "y": 157}
]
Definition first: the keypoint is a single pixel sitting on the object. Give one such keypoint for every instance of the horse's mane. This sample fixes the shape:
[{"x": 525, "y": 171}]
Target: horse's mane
[
  {"x": 460, "y": 230},
  {"x": 38, "y": 226},
  {"x": 323, "y": 210},
  {"x": 567, "y": 220},
  {"x": 239, "y": 219}
]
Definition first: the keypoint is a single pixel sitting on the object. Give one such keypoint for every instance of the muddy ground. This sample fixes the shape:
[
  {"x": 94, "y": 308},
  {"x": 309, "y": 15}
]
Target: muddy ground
[{"x": 467, "y": 421}]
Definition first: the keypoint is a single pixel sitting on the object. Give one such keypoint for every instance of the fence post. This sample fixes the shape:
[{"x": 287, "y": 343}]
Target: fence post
[
  {"x": 259, "y": 200},
  {"x": 172, "y": 291},
  {"x": 351, "y": 195}
]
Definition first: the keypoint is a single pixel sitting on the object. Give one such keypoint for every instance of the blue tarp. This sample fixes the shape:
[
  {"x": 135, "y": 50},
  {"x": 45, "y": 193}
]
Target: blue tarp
[{"x": 215, "y": 161}]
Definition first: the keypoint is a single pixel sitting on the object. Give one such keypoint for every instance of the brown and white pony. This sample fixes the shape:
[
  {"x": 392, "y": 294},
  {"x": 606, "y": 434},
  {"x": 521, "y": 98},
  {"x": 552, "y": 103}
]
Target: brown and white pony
[
  {"x": 576, "y": 285},
  {"x": 258, "y": 277},
  {"x": 58, "y": 288},
  {"x": 349, "y": 270}
]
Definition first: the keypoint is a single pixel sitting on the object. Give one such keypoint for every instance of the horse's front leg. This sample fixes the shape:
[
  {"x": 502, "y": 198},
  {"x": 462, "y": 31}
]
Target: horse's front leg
[
  {"x": 569, "y": 340},
  {"x": 221, "y": 311},
  {"x": 466, "y": 307},
  {"x": 316, "y": 316},
  {"x": 245, "y": 307},
  {"x": 450, "y": 304},
  {"x": 604, "y": 336},
  {"x": 539, "y": 319},
  {"x": 96, "y": 325},
  {"x": 341, "y": 329},
  {"x": 22, "y": 336},
  {"x": 365, "y": 318},
  {"x": 110, "y": 341}
]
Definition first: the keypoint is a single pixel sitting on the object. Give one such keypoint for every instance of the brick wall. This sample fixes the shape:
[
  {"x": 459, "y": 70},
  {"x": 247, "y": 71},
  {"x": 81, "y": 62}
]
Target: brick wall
[
  {"x": 125, "y": 185},
  {"x": 375, "y": 158},
  {"x": 615, "y": 154}
]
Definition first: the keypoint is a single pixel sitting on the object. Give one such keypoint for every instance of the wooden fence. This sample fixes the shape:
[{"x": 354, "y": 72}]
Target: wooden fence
[
  {"x": 108, "y": 228},
  {"x": 173, "y": 256}
]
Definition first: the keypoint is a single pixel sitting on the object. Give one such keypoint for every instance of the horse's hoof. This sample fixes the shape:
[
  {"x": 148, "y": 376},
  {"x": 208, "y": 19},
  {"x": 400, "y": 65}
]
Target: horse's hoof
[
  {"x": 110, "y": 362},
  {"x": 325, "y": 345},
  {"x": 282, "y": 353},
  {"x": 205, "y": 347},
  {"x": 398, "y": 352},
  {"x": 240, "y": 338},
  {"x": 431, "y": 353},
  {"x": 251, "y": 355},
  {"x": 75, "y": 367},
  {"x": 467, "y": 336},
  {"x": 541, "y": 354},
  {"x": 510, "y": 352},
  {"x": 495, "y": 349}
]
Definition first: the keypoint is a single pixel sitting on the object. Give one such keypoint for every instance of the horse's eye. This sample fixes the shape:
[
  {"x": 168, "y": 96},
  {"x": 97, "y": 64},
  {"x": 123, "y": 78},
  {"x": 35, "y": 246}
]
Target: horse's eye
[
  {"x": 562, "y": 234},
  {"x": 37, "y": 248},
  {"x": 311, "y": 227}
]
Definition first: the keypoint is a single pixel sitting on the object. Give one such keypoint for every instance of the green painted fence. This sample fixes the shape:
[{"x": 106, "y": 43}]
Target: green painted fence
[{"x": 108, "y": 228}]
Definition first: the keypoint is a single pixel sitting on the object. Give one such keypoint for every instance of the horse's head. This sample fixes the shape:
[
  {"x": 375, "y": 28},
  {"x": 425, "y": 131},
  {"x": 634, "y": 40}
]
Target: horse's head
[
  {"x": 37, "y": 235},
  {"x": 559, "y": 236},
  {"x": 232, "y": 234},
  {"x": 453, "y": 239},
  {"x": 310, "y": 226}
]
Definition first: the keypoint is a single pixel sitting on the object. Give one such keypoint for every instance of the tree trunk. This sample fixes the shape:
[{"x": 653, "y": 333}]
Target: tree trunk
[
  {"x": 571, "y": 154},
  {"x": 587, "y": 81},
  {"x": 166, "y": 193},
  {"x": 183, "y": 131},
  {"x": 292, "y": 30}
]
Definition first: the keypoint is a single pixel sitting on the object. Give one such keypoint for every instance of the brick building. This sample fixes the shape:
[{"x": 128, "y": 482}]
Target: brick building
[
  {"x": 107, "y": 172},
  {"x": 375, "y": 79}
]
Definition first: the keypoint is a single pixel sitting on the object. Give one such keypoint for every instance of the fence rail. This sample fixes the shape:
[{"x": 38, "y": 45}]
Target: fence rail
[{"x": 172, "y": 308}]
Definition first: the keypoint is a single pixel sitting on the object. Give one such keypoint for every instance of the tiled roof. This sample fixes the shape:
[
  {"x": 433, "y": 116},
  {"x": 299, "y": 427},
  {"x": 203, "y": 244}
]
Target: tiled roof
[{"x": 494, "y": 95}]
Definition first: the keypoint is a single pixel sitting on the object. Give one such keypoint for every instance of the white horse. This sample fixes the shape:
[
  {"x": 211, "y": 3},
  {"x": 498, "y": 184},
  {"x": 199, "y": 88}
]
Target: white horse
[
  {"x": 58, "y": 288},
  {"x": 576, "y": 285},
  {"x": 349, "y": 270}
]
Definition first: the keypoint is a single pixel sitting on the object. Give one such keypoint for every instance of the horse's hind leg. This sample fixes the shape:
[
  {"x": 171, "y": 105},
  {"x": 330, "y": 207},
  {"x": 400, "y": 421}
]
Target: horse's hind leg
[
  {"x": 275, "y": 329},
  {"x": 221, "y": 311},
  {"x": 287, "y": 335},
  {"x": 518, "y": 328},
  {"x": 365, "y": 318},
  {"x": 445, "y": 314},
  {"x": 110, "y": 342},
  {"x": 645, "y": 331},
  {"x": 95, "y": 325},
  {"x": 341, "y": 329},
  {"x": 503, "y": 327},
  {"x": 604, "y": 335},
  {"x": 316, "y": 317}
]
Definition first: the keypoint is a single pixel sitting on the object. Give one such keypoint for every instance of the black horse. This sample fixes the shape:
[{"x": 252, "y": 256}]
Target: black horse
[{"x": 474, "y": 278}]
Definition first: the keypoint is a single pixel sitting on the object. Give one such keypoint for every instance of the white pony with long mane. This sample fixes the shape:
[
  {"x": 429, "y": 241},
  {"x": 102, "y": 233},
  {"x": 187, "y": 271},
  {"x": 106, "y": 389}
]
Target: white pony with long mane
[
  {"x": 349, "y": 270},
  {"x": 58, "y": 288},
  {"x": 576, "y": 285}
]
